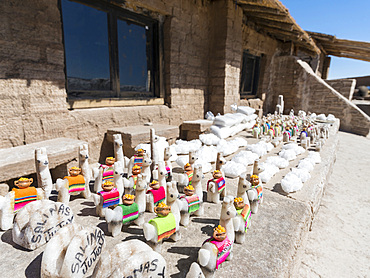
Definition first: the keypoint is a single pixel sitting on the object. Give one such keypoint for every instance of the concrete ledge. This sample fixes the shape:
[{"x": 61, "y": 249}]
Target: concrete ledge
[
  {"x": 20, "y": 161},
  {"x": 190, "y": 130},
  {"x": 134, "y": 135},
  {"x": 273, "y": 243}
]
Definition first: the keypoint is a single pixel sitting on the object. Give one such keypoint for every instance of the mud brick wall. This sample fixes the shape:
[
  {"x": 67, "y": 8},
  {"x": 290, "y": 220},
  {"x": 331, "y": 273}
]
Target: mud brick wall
[
  {"x": 32, "y": 77},
  {"x": 345, "y": 87},
  {"x": 303, "y": 89}
]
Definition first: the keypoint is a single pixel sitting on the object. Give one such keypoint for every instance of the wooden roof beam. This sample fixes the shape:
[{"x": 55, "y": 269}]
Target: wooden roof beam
[
  {"x": 252, "y": 8},
  {"x": 272, "y": 23}
]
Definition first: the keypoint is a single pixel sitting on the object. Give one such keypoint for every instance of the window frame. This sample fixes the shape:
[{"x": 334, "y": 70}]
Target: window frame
[
  {"x": 114, "y": 96},
  {"x": 254, "y": 79}
]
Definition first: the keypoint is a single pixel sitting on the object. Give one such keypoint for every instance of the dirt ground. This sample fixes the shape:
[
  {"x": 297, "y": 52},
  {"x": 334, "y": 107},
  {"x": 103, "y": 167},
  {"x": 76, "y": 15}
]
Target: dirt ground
[{"x": 339, "y": 243}]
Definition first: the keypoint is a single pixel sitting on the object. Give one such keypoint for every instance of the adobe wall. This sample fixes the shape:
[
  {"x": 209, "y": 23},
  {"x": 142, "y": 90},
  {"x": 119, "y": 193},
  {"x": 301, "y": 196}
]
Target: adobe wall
[
  {"x": 345, "y": 87},
  {"x": 303, "y": 89},
  {"x": 32, "y": 78}
]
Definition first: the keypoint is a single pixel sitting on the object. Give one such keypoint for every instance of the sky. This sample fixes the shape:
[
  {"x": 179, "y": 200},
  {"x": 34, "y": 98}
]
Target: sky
[{"x": 345, "y": 19}]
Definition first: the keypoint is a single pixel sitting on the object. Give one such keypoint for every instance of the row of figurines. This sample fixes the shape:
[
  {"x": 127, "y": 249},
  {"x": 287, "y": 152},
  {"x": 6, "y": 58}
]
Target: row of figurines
[
  {"x": 290, "y": 128},
  {"x": 171, "y": 209}
]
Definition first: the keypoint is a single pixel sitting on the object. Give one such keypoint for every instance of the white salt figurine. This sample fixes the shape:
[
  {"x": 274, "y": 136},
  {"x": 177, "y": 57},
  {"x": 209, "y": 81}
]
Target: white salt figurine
[
  {"x": 42, "y": 170},
  {"x": 118, "y": 151},
  {"x": 167, "y": 223},
  {"x": 192, "y": 202},
  {"x": 255, "y": 193},
  {"x": 16, "y": 199},
  {"x": 73, "y": 253},
  {"x": 37, "y": 222},
  {"x": 108, "y": 198},
  {"x": 210, "y": 255},
  {"x": 243, "y": 220},
  {"x": 124, "y": 214},
  {"x": 216, "y": 187},
  {"x": 74, "y": 184},
  {"x": 131, "y": 258}
]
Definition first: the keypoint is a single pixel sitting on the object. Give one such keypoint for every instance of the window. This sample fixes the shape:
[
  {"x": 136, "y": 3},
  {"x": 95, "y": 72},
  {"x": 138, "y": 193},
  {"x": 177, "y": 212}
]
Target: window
[
  {"x": 109, "y": 52},
  {"x": 249, "y": 75}
]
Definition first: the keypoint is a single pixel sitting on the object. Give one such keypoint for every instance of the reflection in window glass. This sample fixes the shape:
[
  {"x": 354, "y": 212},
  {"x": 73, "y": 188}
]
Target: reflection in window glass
[
  {"x": 132, "y": 52},
  {"x": 86, "y": 47}
]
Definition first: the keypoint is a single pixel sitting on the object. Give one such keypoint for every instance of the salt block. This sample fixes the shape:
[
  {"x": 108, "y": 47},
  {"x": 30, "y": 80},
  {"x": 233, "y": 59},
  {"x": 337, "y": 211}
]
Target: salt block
[
  {"x": 83, "y": 252},
  {"x": 37, "y": 222},
  {"x": 54, "y": 254},
  {"x": 132, "y": 258}
]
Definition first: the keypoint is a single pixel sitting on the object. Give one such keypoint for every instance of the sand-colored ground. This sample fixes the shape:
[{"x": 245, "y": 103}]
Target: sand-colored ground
[{"x": 339, "y": 242}]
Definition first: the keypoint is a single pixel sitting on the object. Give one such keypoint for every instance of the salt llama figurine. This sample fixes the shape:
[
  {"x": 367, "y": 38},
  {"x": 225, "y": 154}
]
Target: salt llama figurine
[
  {"x": 124, "y": 214},
  {"x": 190, "y": 204},
  {"x": 136, "y": 170},
  {"x": 106, "y": 199},
  {"x": 243, "y": 220},
  {"x": 216, "y": 187},
  {"x": 255, "y": 193},
  {"x": 106, "y": 173},
  {"x": 17, "y": 199},
  {"x": 74, "y": 184},
  {"x": 155, "y": 195},
  {"x": 161, "y": 227},
  {"x": 137, "y": 159}
]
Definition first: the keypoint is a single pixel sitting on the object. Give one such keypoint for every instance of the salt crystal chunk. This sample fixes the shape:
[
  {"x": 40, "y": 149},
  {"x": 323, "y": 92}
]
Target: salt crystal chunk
[
  {"x": 303, "y": 174},
  {"x": 233, "y": 169},
  {"x": 291, "y": 183},
  {"x": 278, "y": 161},
  {"x": 288, "y": 154},
  {"x": 209, "y": 139},
  {"x": 268, "y": 173}
]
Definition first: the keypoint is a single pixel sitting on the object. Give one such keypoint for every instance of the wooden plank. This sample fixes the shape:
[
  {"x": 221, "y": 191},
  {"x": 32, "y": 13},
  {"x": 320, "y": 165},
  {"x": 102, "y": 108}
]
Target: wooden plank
[{"x": 96, "y": 103}]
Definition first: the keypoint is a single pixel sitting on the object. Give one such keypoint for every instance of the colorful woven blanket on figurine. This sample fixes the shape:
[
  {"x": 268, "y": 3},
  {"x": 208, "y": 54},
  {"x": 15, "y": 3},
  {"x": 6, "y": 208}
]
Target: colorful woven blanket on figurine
[
  {"x": 190, "y": 176},
  {"x": 166, "y": 226},
  {"x": 108, "y": 172},
  {"x": 138, "y": 160},
  {"x": 110, "y": 198},
  {"x": 134, "y": 177},
  {"x": 168, "y": 171},
  {"x": 76, "y": 183},
  {"x": 246, "y": 214},
  {"x": 259, "y": 191},
  {"x": 158, "y": 195},
  {"x": 193, "y": 202},
  {"x": 220, "y": 183},
  {"x": 223, "y": 249},
  {"x": 129, "y": 213},
  {"x": 288, "y": 133},
  {"x": 24, "y": 196}
]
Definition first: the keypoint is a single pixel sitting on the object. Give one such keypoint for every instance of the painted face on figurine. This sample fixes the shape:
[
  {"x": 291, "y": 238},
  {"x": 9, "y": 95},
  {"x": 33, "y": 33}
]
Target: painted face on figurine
[
  {"x": 107, "y": 186},
  {"x": 217, "y": 174},
  {"x": 154, "y": 184},
  {"x": 254, "y": 180},
  {"x": 136, "y": 170},
  {"x": 187, "y": 167},
  {"x": 74, "y": 171},
  {"x": 23, "y": 183},
  {"x": 110, "y": 160},
  {"x": 140, "y": 152}
]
